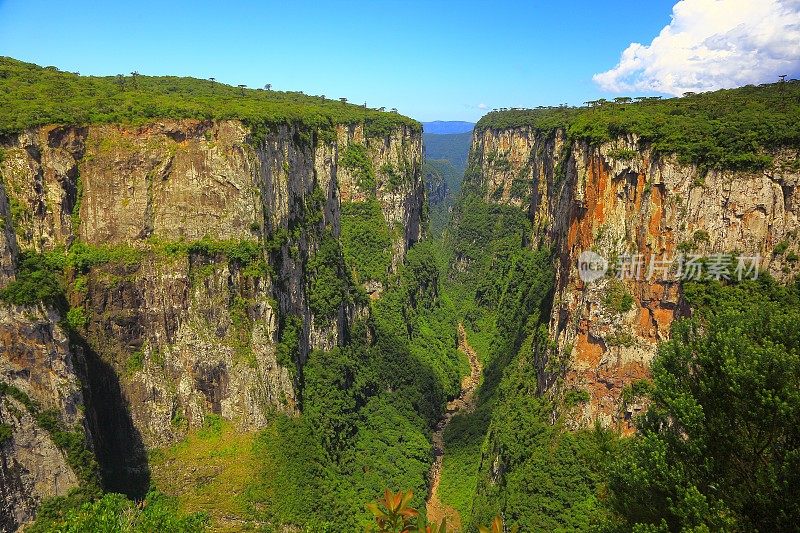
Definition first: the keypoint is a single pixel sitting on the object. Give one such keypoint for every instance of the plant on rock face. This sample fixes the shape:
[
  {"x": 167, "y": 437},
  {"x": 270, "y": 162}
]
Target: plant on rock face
[{"x": 355, "y": 158}]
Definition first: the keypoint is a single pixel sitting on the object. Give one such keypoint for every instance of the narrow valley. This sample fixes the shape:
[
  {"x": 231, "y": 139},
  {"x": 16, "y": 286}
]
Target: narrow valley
[
  {"x": 464, "y": 403},
  {"x": 227, "y": 309}
]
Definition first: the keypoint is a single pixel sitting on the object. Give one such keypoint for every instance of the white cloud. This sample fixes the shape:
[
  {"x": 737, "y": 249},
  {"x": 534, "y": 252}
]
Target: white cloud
[
  {"x": 483, "y": 106},
  {"x": 713, "y": 44}
]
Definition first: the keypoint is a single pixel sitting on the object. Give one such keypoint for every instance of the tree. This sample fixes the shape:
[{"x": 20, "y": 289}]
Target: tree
[
  {"x": 242, "y": 87},
  {"x": 268, "y": 86},
  {"x": 719, "y": 446}
]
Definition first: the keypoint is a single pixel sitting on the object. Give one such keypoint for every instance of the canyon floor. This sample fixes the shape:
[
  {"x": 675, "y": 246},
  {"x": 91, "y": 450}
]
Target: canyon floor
[{"x": 464, "y": 403}]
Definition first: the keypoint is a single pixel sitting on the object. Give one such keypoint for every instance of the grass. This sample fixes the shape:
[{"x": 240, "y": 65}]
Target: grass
[{"x": 209, "y": 471}]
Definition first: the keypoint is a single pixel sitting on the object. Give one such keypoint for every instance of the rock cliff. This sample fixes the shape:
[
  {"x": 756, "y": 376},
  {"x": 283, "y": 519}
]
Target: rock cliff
[
  {"x": 639, "y": 210},
  {"x": 195, "y": 282}
]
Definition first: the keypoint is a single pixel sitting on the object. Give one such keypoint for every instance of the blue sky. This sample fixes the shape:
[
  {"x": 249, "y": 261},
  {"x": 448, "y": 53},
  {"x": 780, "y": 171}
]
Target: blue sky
[{"x": 430, "y": 59}]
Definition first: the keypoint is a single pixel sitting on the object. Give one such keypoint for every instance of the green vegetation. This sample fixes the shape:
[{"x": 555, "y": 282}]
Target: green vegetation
[
  {"x": 716, "y": 450},
  {"x": 616, "y": 297},
  {"x": 701, "y": 237},
  {"x": 392, "y": 177},
  {"x": 116, "y": 513},
  {"x": 452, "y": 147},
  {"x": 550, "y": 479},
  {"x": 329, "y": 288},
  {"x": 441, "y": 176},
  {"x": 6, "y": 433},
  {"x": 368, "y": 408},
  {"x": 41, "y": 276},
  {"x": 623, "y": 154},
  {"x": 718, "y": 447},
  {"x": 38, "y": 279},
  {"x": 82, "y": 257},
  {"x": 209, "y": 471},
  {"x": 356, "y": 159},
  {"x": 32, "y": 96},
  {"x": 77, "y": 318},
  {"x": 242, "y": 326},
  {"x": 726, "y": 129},
  {"x": 72, "y": 443},
  {"x": 366, "y": 240},
  {"x": 135, "y": 362},
  {"x": 575, "y": 397},
  {"x": 287, "y": 351}
]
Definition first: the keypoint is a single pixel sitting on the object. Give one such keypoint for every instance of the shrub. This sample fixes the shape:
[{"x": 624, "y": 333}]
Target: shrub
[
  {"x": 6, "y": 433},
  {"x": 355, "y": 158},
  {"x": 328, "y": 288},
  {"x": 701, "y": 236},
  {"x": 622, "y": 154},
  {"x": 287, "y": 352},
  {"x": 575, "y": 397},
  {"x": 135, "y": 362},
  {"x": 617, "y": 298},
  {"x": 366, "y": 240},
  {"x": 115, "y": 512},
  {"x": 77, "y": 319},
  {"x": 780, "y": 248},
  {"x": 38, "y": 279},
  {"x": 394, "y": 178}
]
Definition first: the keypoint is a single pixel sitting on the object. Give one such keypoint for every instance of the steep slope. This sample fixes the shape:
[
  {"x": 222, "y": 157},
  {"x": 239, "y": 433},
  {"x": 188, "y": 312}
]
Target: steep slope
[
  {"x": 197, "y": 263},
  {"x": 656, "y": 180}
]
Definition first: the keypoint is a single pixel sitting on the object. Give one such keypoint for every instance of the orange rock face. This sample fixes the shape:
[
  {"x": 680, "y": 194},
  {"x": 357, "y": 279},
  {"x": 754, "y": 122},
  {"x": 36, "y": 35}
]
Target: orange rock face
[{"x": 649, "y": 207}]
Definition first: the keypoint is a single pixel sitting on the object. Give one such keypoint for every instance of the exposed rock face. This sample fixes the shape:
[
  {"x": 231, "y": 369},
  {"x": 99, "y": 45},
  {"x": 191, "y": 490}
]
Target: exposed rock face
[
  {"x": 35, "y": 358},
  {"x": 620, "y": 198},
  {"x": 172, "y": 333},
  {"x": 436, "y": 186}
]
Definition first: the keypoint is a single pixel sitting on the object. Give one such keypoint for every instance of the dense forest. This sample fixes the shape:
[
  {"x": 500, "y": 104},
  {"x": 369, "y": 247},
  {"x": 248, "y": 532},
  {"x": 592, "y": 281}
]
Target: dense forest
[
  {"x": 715, "y": 450},
  {"x": 726, "y": 129},
  {"x": 452, "y": 147},
  {"x": 32, "y": 96}
]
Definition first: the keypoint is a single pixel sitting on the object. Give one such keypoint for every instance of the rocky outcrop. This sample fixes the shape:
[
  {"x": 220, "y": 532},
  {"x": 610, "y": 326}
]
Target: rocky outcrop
[
  {"x": 193, "y": 242},
  {"x": 36, "y": 361},
  {"x": 436, "y": 185},
  {"x": 645, "y": 214}
]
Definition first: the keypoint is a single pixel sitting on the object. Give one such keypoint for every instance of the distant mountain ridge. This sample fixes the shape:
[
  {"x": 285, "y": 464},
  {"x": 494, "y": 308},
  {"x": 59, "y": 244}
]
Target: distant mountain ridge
[
  {"x": 447, "y": 127},
  {"x": 453, "y": 147}
]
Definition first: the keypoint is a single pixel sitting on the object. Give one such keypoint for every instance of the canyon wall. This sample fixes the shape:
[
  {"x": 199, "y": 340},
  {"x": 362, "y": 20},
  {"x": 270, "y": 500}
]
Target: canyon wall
[
  {"x": 645, "y": 214},
  {"x": 190, "y": 250}
]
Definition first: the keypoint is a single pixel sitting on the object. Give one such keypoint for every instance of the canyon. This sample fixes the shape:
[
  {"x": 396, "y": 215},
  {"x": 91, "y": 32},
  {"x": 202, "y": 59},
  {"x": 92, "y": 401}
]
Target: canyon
[
  {"x": 282, "y": 281},
  {"x": 171, "y": 333}
]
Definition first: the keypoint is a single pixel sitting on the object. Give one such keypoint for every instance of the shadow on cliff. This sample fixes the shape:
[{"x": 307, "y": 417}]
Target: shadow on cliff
[{"x": 118, "y": 445}]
